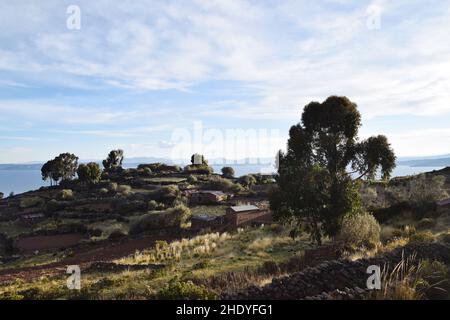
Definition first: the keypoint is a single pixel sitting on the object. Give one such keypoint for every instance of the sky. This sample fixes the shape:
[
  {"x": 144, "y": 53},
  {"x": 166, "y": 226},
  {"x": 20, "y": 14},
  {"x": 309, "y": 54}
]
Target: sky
[{"x": 224, "y": 78}]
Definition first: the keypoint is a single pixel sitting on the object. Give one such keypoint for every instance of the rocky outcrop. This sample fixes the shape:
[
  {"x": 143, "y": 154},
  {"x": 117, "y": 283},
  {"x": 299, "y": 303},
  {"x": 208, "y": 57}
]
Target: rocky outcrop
[{"x": 329, "y": 279}]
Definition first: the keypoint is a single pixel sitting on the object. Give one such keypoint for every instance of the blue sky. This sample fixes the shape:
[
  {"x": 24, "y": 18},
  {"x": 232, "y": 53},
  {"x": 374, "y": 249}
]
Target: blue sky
[{"x": 138, "y": 72}]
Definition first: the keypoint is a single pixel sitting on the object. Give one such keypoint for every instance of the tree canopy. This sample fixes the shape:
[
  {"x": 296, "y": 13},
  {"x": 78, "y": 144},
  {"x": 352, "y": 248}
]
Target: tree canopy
[
  {"x": 315, "y": 185},
  {"x": 63, "y": 167},
  {"x": 89, "y": 173},
  {"x": 114, "y": 160},
  {"x": 228, "y": 172}
]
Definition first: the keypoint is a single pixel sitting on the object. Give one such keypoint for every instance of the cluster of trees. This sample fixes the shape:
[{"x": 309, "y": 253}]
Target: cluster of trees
[
  {"x": 65, "y": 167},
  {"x": 316, "y": 189}
]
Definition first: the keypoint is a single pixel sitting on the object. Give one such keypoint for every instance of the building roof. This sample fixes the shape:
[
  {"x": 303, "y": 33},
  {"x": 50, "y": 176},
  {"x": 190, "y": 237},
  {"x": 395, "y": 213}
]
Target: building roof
[{"x": 244, "y": 208}]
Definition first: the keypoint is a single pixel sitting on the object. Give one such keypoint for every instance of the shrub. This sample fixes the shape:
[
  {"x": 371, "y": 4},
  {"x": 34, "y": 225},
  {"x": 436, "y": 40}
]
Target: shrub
[
  {"x": 177, "y": 290},
  {"x": 112, "y": 186},
  {"x": 426, "y": 223},
  {"x": 192, "y": 179},
  {"x": 124, "y": 190},
  {"x": 228, "y": 172},
  {"x": 168, "y": 194},
  {"x": 236, "y": 188},
  {"x": 147, "y": 172},
  {"x": 199, "y": 169},
  {"x": 103, "y": 191},
  {"x": 360, "y": 230},
  {"x": 247, "y": 181},
  {"x": 29, "y": 202},
  {"x": 1, "y": 195},
  {"x": 222, "y": 184},
  {"x": 423, "y": 236},
  {"x": 172, "y": 218},
  {"x": 153, "y": 205},
  {"x": 65, "y": 194},
  {"x": 178, "y": 215}
]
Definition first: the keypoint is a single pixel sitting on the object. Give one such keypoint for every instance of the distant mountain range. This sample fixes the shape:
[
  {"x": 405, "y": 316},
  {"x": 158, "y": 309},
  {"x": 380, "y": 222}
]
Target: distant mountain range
[
  {"x": 426, "y": 162},
  {"x": 429, "y": 161},
  {"x": 133, "y": 162}
]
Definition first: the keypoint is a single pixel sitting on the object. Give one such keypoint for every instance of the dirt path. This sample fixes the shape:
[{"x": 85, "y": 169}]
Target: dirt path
[{"x": 84, "y": 257}]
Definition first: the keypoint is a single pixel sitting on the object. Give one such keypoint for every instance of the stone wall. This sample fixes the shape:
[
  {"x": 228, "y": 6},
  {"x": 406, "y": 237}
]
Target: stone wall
[{"x": 335, "y": 276}]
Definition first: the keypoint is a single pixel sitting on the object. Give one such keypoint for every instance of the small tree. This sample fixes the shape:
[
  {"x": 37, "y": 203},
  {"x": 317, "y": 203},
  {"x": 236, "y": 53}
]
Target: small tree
[
  {"x": 114, "y": 160},
  {"x": 227, "y": 172},
  {"x": 1, "y": 195},
  {"x": 89, "y": 173},
  {"x": 247, "y": 180},
  {"x": 360, "y": 230},
  {"x": 67, "y": 164}
]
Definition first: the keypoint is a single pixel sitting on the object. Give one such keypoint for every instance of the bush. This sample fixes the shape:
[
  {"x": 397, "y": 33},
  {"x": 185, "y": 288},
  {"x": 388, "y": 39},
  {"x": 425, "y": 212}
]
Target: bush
[
  {"x": 172, "y": 218},
  {"x": 112, "y": 186},
  {"x": 1, "y": 195},
  {"x": 124, "y": 190},
  {"x": 153, "y": 205},
  {"x": 247, "y": 181},
  {"x": 192, "y": 179},
  {"x": 177, "y": 290},
  {"x": 65, "y": 194},
  {"x": 168, "y": 194},
  {"x": 360, "y": 230},
  {"x": 426, "y": 223},
  {"x": 199, "y": 169},
  {"x": 103, "y": 191},
  {"x": 424, "y": 236},
  {"x": 29, "y": 202},
  {"x": 228, "y": 172}
]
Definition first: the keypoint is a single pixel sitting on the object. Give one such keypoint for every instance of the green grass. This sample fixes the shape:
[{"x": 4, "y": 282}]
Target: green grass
[
  {"x": 209, "y": 210},
  {"x": 236, "y": 253}
]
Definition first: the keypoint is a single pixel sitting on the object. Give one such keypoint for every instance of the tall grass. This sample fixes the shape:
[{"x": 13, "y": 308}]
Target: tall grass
[{"x": 199, "y": 246}]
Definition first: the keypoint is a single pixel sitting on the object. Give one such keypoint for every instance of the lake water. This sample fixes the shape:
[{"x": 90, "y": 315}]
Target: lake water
[{"x": 19, "y": 181}]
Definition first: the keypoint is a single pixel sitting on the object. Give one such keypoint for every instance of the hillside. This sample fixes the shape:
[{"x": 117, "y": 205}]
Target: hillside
[{"x": 138, "y": 234}]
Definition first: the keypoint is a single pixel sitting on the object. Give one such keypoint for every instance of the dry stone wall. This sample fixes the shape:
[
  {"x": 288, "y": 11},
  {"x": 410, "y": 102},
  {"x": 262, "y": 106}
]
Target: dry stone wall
[{"x": 329, "y": 279}]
